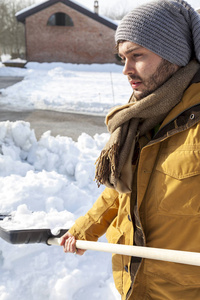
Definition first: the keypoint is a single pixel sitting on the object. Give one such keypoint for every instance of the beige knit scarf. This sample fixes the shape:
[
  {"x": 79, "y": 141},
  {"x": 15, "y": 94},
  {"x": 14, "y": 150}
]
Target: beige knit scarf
[{"x": 128, "y": 122}]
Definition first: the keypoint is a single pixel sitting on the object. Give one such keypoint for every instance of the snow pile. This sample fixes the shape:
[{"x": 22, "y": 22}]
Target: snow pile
[
  {"x": 66, "y": 87},
  {"x": 48, "y": 184},
  {"x": 67, "y": 168},
  {"x": 5, "y": 57}
]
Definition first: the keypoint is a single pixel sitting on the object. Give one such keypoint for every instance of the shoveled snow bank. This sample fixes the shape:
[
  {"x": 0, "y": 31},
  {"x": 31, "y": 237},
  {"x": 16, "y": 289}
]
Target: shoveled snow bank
[{"x": 48, "y": 184}]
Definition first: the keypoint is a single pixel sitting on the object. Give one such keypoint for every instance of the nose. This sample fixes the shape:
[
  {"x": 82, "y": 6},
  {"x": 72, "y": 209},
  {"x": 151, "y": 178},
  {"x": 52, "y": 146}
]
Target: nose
[{"x": 129, "y": 68}]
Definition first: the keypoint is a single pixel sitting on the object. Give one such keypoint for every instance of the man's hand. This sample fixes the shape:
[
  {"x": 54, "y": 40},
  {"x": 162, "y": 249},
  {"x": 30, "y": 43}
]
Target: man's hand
[{"x": 68, "y": 242}]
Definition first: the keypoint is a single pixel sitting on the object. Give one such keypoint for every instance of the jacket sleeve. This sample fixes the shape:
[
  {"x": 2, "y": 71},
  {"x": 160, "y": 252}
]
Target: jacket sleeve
[{"x": 96, "y": 221}]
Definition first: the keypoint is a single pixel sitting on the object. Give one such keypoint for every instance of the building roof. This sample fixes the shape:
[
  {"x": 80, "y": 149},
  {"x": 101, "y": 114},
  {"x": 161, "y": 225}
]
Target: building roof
[{"x": 23, "y": 14}]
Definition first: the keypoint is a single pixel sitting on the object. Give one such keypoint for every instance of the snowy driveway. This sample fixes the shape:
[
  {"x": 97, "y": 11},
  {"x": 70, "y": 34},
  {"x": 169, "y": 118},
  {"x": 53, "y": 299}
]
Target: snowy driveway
[
  {"x": 8, "y": 81},
  {"x": 64, "y": 124}
]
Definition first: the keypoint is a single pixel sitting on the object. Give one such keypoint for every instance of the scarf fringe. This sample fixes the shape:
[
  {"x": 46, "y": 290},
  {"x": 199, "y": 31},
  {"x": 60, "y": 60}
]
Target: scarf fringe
[{"x": 107, "y": 165}]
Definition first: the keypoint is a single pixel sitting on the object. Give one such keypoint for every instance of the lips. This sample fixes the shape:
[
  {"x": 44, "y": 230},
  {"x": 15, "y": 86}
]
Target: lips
[{"x": 135, "y": 84}]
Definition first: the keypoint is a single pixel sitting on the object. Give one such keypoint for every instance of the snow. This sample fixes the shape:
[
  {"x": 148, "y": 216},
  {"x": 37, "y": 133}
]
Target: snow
[
  {"x": 16, "y": 60},
  {"x": 66, "y": 87},
  {"x": 48, "y": 183},
  {"x": 5, "y": 57}
]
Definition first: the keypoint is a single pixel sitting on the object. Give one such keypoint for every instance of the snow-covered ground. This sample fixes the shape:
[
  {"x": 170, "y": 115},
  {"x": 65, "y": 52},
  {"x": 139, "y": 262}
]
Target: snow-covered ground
[
  {"x": 48, "y": 183},
  {"x": 65, "y": 87}
]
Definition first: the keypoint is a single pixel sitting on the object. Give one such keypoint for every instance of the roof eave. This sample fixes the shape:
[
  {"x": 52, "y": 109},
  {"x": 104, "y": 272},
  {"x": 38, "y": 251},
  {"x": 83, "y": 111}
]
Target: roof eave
[{"x": 22, "y": 17}]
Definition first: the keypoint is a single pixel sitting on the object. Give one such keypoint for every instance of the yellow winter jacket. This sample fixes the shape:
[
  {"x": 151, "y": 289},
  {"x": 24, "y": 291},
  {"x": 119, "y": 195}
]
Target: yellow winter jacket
[{"x": 168, "y": 197}]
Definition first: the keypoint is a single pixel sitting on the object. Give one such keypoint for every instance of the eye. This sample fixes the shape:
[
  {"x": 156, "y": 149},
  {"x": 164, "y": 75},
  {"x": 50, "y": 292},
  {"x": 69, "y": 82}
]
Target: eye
[
  {"x": 122, "y": 59},
  {"x": 136, "y": 55}
]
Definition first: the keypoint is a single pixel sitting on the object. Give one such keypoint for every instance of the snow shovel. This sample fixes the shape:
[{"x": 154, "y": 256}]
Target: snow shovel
[
  {"x": 29, "y": 236},
  {"x": 45, "y": 236}
]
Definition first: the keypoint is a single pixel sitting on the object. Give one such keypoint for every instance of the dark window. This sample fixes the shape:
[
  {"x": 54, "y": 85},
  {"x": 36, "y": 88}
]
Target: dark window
[{"x": 60, "y": 19}]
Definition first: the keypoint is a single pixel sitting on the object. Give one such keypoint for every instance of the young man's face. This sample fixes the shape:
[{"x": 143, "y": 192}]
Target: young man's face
[{"x": 146, "y": 71}]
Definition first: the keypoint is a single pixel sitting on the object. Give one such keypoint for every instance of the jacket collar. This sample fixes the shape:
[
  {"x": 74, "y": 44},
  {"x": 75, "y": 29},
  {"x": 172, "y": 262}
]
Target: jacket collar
[
  {"x": 183, "y": 115},
  {"x": 185, "y": 120}
]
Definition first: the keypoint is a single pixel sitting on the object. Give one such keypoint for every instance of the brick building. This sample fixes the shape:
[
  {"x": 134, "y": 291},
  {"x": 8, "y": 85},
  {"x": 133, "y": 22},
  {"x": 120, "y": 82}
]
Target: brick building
[{"x": 62, "y": 30}]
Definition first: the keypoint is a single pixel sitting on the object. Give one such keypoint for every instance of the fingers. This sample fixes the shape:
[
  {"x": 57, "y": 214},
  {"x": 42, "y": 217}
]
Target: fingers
[
  {"x": 69, "y": 245},
  {"x": 68, "y": 242},
  {"x": 80, "y": 251},
  {"x": 64, "y": 238}
]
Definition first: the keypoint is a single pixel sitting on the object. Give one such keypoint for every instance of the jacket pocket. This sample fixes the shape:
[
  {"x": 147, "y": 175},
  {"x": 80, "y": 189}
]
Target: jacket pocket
[{"x": 177, "y": 182}]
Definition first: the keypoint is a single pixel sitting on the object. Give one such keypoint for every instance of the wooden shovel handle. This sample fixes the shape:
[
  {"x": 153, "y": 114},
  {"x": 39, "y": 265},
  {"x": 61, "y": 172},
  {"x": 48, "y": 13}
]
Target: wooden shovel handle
[{"x": 183, "y": 257}]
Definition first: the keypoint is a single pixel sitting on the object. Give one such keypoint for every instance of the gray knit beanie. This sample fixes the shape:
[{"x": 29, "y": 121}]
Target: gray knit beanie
[{"x": 169, "y": 28}]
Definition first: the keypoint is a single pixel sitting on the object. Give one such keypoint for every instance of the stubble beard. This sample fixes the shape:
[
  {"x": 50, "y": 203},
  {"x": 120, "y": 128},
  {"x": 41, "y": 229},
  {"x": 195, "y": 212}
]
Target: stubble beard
[{"x": 164, "y": 71}]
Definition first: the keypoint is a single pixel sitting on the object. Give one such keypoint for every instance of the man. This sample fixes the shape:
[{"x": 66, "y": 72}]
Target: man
[{"x": 151, "y": 164}]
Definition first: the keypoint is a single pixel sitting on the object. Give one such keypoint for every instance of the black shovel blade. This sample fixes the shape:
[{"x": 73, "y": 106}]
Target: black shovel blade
[{"x": 29, "y": 236}]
